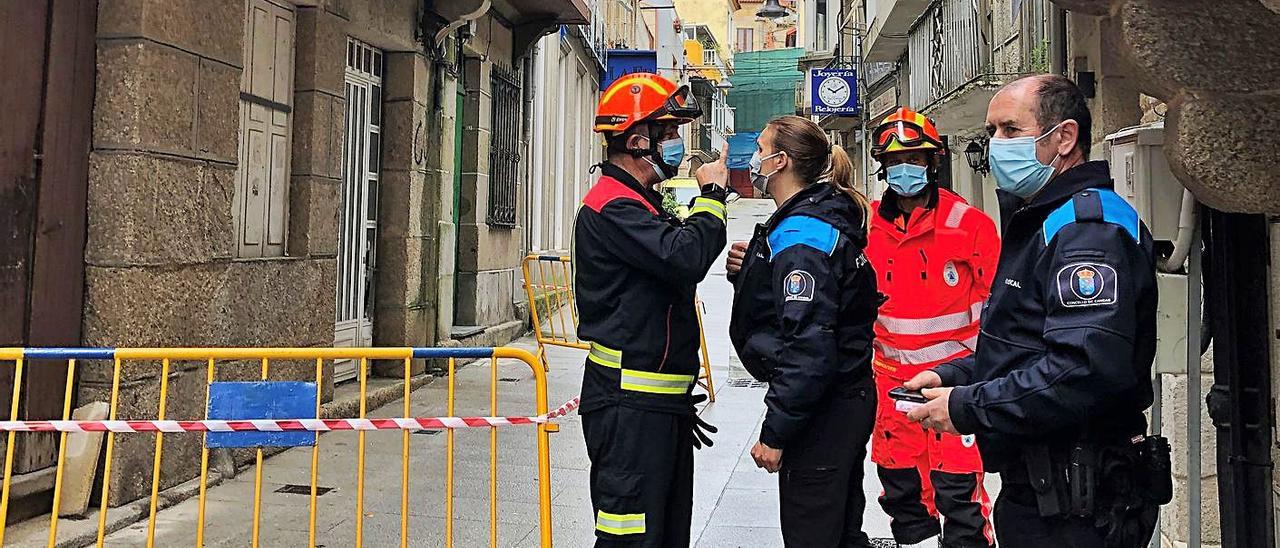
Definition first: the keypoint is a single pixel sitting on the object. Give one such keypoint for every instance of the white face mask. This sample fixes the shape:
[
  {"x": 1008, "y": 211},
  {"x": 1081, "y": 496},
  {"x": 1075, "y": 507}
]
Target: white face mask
[{"x": 760, "y": 180}]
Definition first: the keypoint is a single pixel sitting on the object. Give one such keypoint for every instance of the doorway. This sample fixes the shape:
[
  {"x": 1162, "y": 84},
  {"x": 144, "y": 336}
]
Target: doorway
[{"x": 358, "y": 226}]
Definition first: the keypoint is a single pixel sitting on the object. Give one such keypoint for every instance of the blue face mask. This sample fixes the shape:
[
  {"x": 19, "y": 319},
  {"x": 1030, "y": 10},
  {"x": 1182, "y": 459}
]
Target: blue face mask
[
  {"x": 907, "y": 180},
  {"x": 1014, "y": 163},
  {"x": 672, "y": 151}
]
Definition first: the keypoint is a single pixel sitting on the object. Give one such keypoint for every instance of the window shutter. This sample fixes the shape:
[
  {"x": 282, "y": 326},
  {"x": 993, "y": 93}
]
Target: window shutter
[{"x": 266, "y": 98}]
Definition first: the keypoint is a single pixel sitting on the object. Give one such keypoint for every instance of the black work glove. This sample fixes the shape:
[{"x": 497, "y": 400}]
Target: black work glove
[{"x": 701, "y": 428}]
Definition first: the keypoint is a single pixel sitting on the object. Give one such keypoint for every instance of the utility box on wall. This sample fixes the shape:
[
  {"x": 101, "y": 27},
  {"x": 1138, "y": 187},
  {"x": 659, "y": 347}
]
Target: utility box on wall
[{"x": 1141, "y": 175}]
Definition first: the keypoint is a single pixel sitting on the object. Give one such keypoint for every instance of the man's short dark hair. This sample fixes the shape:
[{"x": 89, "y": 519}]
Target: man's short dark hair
[{"x": 1061, "y": 99}]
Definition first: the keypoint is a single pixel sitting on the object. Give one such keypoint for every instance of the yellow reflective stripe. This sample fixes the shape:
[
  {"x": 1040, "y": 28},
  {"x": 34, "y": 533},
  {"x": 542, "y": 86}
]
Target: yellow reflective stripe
[
  {"x": 708, "y": 205},
  {"x": 620, "y": 524},
  {"x": 605, "y": 356},
  {"x": 655, "y": 383}
]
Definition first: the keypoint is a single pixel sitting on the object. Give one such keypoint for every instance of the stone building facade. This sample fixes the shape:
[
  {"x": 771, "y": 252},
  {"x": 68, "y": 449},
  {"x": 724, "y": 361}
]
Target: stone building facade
[{"x": 284, "y": 173}]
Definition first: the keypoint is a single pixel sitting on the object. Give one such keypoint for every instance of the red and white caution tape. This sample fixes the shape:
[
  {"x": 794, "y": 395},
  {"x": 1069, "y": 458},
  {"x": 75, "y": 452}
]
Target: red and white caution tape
[{"x": 283, "y": 425}]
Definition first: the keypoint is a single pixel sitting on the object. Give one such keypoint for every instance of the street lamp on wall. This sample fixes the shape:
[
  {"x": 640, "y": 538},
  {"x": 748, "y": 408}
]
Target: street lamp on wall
[
  {"x": 976, "y": 155},
  {"x": 772, "y": 10}
]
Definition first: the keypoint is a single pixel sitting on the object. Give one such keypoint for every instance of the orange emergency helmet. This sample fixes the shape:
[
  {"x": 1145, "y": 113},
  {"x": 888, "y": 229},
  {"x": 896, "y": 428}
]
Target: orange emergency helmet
[
  {"x": 905, "y": 130},
  {"x": 644, "y": 96}
]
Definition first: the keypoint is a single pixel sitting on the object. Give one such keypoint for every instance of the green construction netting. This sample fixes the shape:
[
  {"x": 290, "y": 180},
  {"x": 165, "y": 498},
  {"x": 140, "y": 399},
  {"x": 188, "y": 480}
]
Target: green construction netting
[{"x": 764, "y": 84}]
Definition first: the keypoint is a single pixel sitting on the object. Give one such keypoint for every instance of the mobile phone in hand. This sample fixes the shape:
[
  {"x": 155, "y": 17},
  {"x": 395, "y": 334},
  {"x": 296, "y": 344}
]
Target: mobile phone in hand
[{"x": 907, "y": 400}]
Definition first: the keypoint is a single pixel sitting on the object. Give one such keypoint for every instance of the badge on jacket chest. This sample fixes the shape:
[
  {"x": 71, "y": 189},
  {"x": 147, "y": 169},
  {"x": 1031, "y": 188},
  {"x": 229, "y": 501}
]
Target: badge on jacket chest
[
  {"x": 798, "y": 286},
  {"x": 950, "y": 275},
  {"x": 1087, "y": 284}
]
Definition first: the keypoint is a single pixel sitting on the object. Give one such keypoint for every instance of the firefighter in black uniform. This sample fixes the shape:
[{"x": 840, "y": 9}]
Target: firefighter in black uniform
[
  {"x": 804, "y": 306},
  {"x": 1057, "y": 388},
  {"x": 637, "y": 268}
]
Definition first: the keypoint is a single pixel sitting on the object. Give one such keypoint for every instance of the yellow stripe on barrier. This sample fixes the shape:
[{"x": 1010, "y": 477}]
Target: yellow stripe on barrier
[
  {"x": 106, "y": 468},
  {"x": 169, "y": 361},
  {"x": 155, "y": 467},
  {"x": 62, "y": 456}
]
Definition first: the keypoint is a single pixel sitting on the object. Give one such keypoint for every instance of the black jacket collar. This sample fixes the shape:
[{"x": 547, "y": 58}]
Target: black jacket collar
[
  {"x": 823, "y": 201},
  {"x": 1095, "y": 174},
  {"x": 807, "y": 196}
]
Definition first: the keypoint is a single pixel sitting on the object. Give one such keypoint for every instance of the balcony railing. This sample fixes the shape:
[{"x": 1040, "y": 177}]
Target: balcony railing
[
  {"x": 946, "y": 51},
  {"x": 595, "y": 33}
]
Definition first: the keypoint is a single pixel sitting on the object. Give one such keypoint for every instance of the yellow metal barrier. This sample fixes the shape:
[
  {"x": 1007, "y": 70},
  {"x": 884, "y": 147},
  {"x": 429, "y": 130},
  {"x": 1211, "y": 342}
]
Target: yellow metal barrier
[
  {"x": 549, "y": 288},
  {"x": 21, "y": 359},
  {"x": 550, "y": 285}
]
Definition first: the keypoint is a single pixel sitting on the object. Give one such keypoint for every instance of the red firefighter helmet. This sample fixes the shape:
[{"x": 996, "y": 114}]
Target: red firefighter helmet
[
  {"x": 905, "y": 130},
  {"x": 644, "y": 96}
]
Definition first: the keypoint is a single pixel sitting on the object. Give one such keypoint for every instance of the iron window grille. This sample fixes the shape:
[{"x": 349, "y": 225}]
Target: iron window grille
[{"x": 504, "y": 147}]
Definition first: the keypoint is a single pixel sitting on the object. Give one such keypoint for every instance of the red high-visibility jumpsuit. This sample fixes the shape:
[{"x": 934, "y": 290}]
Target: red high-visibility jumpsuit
[{"x": 935, "y": 266}]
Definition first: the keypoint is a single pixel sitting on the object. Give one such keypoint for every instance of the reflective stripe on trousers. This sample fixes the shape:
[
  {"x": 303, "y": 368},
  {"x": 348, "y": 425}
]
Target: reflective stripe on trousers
[
  {"x": 640, "y": 381},
  {"x": 620, "y": 524}
]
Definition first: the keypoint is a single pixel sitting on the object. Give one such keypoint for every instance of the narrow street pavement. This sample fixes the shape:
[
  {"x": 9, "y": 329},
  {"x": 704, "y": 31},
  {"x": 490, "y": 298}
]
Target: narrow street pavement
[{"x": 735, "y": 503}]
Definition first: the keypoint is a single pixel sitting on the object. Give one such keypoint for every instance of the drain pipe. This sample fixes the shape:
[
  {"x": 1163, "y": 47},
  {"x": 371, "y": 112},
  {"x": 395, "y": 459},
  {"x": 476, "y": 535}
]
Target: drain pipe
[{"x": 1187, "y": 222}]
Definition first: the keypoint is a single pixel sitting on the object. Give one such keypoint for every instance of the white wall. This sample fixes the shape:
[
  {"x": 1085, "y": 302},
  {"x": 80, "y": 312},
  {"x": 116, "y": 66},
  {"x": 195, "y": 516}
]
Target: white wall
[{"x": 566, "y": 89}]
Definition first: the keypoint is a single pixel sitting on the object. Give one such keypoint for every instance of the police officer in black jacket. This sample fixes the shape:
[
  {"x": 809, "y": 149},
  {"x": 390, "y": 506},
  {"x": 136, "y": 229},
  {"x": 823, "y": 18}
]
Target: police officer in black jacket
[
  {"x": 804, "y": 304},
  {"x": 1057, "y": 388}
]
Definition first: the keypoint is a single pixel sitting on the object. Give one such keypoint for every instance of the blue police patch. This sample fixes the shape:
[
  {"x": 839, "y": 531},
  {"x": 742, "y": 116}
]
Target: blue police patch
[
  {"x": 1087, "y": 284},
  {"x": 798, "y": 286}
]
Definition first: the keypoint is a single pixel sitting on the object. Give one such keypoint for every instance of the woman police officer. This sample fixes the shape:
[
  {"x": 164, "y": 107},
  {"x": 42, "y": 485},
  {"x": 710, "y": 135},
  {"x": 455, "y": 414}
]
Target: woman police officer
[{"x": 804, "y": 304}]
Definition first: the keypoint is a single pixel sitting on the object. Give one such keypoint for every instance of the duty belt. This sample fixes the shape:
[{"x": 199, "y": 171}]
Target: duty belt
[{"x": 640, "y": 381}]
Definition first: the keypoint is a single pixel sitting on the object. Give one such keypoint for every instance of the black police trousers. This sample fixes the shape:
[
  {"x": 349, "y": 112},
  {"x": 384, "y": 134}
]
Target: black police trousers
[
  {"x": 1019, "y": 524},
  {"x": 641, "y": 476},
  {"x": 820, "y": 483}
]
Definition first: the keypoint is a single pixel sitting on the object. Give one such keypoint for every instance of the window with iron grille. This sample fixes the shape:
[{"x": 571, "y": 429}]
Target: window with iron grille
[{"x": 504, "y": 147}]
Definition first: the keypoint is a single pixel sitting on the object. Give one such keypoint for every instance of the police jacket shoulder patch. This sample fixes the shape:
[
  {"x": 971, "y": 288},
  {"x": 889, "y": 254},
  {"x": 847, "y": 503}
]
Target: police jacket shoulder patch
[
  {"x": 1093, "y": 205},
  {"x": 803, "y": 230},
  {"x": 1087, "y": 284},
  {"x": 798, "y": 285}
]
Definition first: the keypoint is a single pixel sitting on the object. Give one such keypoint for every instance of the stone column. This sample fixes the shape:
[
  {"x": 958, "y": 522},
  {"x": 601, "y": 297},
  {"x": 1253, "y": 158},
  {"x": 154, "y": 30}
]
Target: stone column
[{"x": 409, "y": 209}]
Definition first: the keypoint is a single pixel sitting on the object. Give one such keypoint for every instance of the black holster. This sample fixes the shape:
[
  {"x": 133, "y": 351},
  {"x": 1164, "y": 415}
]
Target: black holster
[
  {"x": 1047, "y": 480},
  {"x": 1094, "y": 477},
  {"x": 1082, "y": 479}
]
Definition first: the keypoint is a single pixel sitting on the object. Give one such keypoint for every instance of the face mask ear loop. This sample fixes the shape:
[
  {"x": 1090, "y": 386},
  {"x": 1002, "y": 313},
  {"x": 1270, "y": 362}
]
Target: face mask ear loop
[{"x": 775, "y": 171}]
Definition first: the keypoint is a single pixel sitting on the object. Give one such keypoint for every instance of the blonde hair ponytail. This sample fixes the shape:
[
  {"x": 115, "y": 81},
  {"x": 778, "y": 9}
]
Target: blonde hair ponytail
[
  {"x": 816, "y": 159},
  {"x": 843, "y": 178}
]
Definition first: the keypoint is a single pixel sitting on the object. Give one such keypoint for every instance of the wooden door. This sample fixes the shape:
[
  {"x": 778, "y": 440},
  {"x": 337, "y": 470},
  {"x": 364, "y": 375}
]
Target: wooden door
[{"x": 47, "y": 48}]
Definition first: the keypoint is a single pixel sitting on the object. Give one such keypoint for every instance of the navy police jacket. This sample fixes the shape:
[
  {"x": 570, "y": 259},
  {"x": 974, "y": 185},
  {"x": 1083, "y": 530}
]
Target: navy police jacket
[
  {"x": 1068, "y": 335},
  {"x": 804, "y": 306},
  {"x": 636, "y": 271}
]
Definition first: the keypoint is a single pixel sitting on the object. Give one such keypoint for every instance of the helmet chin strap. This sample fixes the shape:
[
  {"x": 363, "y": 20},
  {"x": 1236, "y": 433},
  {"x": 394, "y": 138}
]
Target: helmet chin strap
[{"x": 662, "y": 175}]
